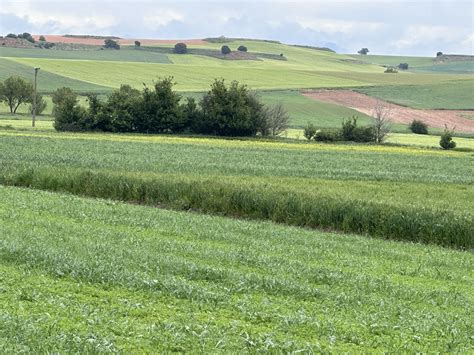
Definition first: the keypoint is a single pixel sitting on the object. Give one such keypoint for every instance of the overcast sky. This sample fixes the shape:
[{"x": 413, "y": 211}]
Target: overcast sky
[{"x": 418, "y": 27}]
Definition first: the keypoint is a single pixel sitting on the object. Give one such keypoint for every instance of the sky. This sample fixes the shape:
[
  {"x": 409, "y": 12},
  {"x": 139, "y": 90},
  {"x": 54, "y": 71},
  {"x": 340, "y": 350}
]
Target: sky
[{"x": 419, "y": 27}]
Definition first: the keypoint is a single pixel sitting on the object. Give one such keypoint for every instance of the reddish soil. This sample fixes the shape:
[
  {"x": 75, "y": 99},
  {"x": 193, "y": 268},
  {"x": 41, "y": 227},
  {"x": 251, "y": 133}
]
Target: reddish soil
[
  {"x": 124, "y": 41},
  {"x": 398, "y": 114}
]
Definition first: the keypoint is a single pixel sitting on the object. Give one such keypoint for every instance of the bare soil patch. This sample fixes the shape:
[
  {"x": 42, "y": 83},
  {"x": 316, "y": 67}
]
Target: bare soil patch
[{"x": 399, "y": 114}]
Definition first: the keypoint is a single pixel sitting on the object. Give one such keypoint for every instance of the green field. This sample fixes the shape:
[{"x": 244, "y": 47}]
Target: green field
[
  {"x": 136, "y": 243},
  {"x": 141, "y": 279},
  {"x": 301, "y": 184},
  {"x": 452, "y": 95}
]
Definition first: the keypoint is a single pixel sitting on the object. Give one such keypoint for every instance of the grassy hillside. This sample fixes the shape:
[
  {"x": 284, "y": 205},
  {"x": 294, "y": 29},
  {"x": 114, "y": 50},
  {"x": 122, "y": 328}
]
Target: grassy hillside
[
  {"x": 47, "y": 81},
  {"x": 142, "y": 279},
  {"x": 450, "y": 95}
]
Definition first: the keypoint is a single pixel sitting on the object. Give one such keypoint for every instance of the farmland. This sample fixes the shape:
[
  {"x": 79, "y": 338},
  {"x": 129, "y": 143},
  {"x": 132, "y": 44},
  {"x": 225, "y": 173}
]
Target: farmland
[{"x": 138, "y": 243}]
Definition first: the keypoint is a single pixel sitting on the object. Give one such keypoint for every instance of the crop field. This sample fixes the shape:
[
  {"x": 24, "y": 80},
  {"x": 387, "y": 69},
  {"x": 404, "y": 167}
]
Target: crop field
[
  {"x": 136, "y": 278},
  {"x": 450, "y": 95},
  {"x": 137, "y": 243},
  {"x": 300, "y": 184}
]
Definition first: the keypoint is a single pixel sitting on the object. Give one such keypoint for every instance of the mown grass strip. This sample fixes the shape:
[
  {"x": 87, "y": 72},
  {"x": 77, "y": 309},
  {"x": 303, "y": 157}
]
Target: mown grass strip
[
  {"x": 91, "y": 275},
  {"x": 408, "y": 223}
]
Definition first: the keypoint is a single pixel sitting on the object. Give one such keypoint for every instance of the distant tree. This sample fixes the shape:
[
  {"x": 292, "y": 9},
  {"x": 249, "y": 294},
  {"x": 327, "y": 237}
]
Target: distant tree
[
  {"x": 403, "y": 66},
  {"x": 15, "y": 91},
  {"x": 42, "y": 38},
  {"x": 242, "y": 49},
  {"x": 363, "y": 51},
  {"x": 309, "y": 131},
  {"x": 110, "y": 43},
  {"x": 137, "y": 44},
  {"x": 225, "y": 50},
  {"x": 439, "y": 54},
  {"x": 381, "y": 121},
  {"x": 40, "y": 104},
  {"x": 418, "y": 127},
  {"x": 180, "y": 48},
  {"x": 11, "y": 35},
  {"x": 446, "y": 142},
  {"x": 277, "y": 119},
  {"x": 27, "y": 36}
]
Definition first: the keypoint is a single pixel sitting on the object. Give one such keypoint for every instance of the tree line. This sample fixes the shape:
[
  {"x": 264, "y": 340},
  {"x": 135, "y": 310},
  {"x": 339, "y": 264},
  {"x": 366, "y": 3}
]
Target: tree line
[{"x": 225, "y": 110}]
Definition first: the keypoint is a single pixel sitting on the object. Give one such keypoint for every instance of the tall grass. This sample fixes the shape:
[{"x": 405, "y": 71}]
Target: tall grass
[{"x": 410, "y": 223}]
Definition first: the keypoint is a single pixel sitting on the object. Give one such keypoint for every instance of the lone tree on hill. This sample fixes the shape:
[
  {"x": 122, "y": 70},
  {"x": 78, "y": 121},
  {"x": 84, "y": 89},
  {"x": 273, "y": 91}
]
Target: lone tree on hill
[
  {"x": 363, "y": 51},
  {"x": 225, "y": 50},
  {"x": 110, "y": 43},
  {"x": 180, "y": 48},
  {"x": 242, "y": 49},
  {"x": 42, "y": 38},
  {"x": 137, "y": 44},
  {"x": 439, "y": 54},
  {"x": 15, "y": 91}
]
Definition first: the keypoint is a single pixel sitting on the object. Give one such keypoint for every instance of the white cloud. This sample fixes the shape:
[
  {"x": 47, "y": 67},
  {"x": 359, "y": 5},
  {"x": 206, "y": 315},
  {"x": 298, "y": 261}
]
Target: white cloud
[{"x": 161, "y": 18}]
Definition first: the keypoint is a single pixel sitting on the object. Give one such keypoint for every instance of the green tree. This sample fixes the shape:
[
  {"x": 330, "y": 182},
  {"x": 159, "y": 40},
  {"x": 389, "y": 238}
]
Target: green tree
[
  {"x": 15, "y": 91},
  {"x": 180, "y": 48},
  {"x": 137, "y": 44},
  {"x": 446, "y": 142},
  {"x": 225, "y": 50},
  {"x": 68, "y": 114},
  {"x": 40, "y": 104},
  {"x": 42, "y": 38},
  {"x": 160, "y": 109},
  {"x": 309, "y": 131},
  {"x": 110, "y": 43},
  {"x": 231, "y": 110},
  {"x": 242, "y": 49},
  {"x": 363, "y": 51}
]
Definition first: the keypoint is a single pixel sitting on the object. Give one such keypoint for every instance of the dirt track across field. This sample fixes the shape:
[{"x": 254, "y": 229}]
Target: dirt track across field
[
  {"x": 398, "y": 114},
  {"x": 124, "y": 41}
]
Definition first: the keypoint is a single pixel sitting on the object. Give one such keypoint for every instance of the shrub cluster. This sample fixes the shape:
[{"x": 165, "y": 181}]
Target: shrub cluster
[
  {"x": 391, "y": 70},
  {"x": 110, "y": 43},
  {"x": 180, "y": 48},
  {"x": 226, "y": 110},
  {"x": 24, "y": 35},
  {"x": 403, "y": 66},
  {"x": 418, "y": 127},
  {"x": 349, "y": 131},
  {"x": 446, "y": 141}
]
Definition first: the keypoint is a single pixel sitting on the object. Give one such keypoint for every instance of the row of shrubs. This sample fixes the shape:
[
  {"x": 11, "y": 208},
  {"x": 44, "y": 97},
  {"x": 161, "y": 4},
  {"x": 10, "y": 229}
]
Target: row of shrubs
[
  {"x": 261, "y": 201},
  {"x": 182, "y": 48},
  {"x": 446, "y": 140},
  {"x": 225, "y": 110},
  {"x": 349, "y": 131}
]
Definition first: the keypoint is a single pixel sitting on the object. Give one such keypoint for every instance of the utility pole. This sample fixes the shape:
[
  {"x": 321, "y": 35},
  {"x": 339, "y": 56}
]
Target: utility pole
[{"x": 34, "y": 98}]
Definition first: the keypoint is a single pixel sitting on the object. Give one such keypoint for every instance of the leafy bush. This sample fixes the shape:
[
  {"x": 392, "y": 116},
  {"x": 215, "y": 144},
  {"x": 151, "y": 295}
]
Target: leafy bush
[
  {"x": 180, "y": 48},
  {"x": 351, "y": 132},
  {"x": 11, "y": 35},
  {"x": 326, "y": 136},
  {"x": 225, "y": 50},
  {"x": 68, "y": 114},
  {"x": 439, "y": 54},
  {"x": 42, "y": 38},
  {"x": 391, "y": 70},
  {"x": 403, "y": 66},
  {"x": 363, "y": 51},
  {"x": 242, "y": 49},
  {"x": 418, "y": 127},
  {"x": 137, "y": 44},
  {"x": 27, "y": 36},
  {"x": 110, "y": 43},
  {"x": 309, "y": 131},
  {"x": 446, "y": 142},
  {"x": 40, "y": 104}
]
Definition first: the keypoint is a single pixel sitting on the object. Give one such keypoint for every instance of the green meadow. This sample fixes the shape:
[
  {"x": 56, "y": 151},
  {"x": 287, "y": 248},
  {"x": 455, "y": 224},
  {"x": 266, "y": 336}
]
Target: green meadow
[
  {"x": 81, "y": 275},
  {"x": 136, "y": 243}
]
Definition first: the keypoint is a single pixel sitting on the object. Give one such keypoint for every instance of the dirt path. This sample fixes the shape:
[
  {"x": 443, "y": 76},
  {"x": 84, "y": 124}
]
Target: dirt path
[{"x": 399, "y": 114}]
